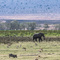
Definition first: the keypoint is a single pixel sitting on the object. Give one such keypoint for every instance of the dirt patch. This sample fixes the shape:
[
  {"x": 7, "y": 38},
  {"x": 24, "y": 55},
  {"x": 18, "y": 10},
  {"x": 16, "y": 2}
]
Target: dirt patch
[{"x": 17, "y": 39}]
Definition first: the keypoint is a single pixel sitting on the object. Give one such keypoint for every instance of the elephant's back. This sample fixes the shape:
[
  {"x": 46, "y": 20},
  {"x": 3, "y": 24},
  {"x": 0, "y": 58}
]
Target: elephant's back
[{"x": 36, "y": 35}]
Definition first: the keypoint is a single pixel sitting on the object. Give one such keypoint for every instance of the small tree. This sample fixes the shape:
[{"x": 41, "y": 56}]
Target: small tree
[
  {"x": 22, "y": 26},
  {"x": 57, "y": 27},
  {"x": 14, "y": 25},
  {"x": 3, "y": 26},
  {"x": 31, "y": 26},
  {"x": 46, "y": 26}
]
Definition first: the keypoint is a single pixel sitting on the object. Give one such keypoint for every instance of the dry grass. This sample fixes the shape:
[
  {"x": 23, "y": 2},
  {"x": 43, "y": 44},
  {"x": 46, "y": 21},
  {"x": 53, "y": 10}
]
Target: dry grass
[{"x": 30, "y": 51}]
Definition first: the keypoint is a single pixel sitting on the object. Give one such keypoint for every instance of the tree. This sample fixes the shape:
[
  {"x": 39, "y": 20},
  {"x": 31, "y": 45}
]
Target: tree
[
  {"x": 8, "y": 26},
  {"x": 57, "y": 27},
  {"x": 14, "y": 25},
  {"x": 46, "y": 26},
  {"x": 31, "y": 26},
  {"x": 22, "y": 26},
  {"x": 3, "y": 26}
]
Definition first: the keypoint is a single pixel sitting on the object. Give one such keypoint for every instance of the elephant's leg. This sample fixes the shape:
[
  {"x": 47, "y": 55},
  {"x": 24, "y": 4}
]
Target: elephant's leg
[
  {"x": 36, "y": 39},
  {"x": 41, "y": 39}
]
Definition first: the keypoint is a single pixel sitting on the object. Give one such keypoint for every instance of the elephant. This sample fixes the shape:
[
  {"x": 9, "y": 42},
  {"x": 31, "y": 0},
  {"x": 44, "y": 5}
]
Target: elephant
[{"x": 38, "y": 36}]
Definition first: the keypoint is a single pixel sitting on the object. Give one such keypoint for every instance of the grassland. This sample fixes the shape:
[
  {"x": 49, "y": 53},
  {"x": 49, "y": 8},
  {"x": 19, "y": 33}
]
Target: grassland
[
  {"x": 45, "y": 50},
  {"x": 31, "y": 50}
]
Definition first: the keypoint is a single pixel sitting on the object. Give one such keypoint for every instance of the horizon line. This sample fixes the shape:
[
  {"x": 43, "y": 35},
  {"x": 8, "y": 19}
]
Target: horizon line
[{"x": 32, "y": 17}]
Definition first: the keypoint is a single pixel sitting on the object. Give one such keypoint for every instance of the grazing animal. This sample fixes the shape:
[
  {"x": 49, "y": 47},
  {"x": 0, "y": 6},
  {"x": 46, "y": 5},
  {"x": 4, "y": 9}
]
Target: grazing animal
[
  {"x": 36, "y": 44},
  {"x": 36, "y": 59},
  {"x": 12, "y": 55},
  {"x": 41, "y": 50},
  {"x": 39, "y": 36},
  {"x": 24, "y": 48}
]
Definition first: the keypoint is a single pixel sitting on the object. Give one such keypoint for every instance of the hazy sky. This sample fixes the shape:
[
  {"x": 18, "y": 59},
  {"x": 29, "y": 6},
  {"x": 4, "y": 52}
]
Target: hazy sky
[{"x": 30, "y": 9}]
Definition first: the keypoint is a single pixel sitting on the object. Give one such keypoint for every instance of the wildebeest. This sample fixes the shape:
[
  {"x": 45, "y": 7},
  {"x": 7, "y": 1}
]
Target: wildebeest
[
  {"x": 38, "y": 36},
  {"x": 12, "y": 55}
]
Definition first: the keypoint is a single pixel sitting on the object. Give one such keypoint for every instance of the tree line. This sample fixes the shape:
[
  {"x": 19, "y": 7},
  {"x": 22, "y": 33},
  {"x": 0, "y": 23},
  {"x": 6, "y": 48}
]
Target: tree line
[{"x": 15, "y": 25}]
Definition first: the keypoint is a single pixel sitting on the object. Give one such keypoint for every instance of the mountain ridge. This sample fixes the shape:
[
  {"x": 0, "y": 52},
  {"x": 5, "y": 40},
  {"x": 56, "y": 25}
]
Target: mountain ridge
[{"x": 36, "y": 21}]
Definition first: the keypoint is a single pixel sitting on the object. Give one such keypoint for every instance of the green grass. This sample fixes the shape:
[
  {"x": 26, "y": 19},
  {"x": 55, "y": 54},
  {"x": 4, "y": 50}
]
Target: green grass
[
  {"x": 29, "y": 33},
  {"x": 51, "y": 50}
]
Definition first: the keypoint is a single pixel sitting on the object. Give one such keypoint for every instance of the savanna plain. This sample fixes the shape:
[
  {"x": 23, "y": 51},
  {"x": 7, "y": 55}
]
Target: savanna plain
[{"x": 29, "y": 50}]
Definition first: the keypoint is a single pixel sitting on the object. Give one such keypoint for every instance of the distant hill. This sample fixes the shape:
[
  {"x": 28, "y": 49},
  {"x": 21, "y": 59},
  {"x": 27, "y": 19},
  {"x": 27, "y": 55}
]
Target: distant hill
[{"x": 38, "y": 21}]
